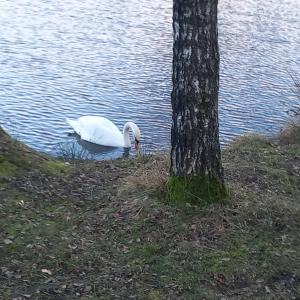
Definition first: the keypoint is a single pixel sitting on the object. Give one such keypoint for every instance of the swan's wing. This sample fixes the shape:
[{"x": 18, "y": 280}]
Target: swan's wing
[
  {"x": 100, "y": 121},
  {"x": 100, "y": 131}
]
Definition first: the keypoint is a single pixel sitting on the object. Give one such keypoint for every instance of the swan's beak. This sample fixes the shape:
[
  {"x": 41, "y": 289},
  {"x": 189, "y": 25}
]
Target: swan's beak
[{"x": 137, "y": 145}]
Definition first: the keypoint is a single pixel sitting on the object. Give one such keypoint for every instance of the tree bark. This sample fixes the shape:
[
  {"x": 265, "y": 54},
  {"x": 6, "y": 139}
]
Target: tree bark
[{"x": 196, "y": 172}]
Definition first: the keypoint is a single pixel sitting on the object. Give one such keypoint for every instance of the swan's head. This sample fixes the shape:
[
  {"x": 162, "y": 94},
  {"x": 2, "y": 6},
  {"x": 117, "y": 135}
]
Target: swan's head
[
  {"x": 137, "y": 136},
  {"x": 136, "y": 133}
]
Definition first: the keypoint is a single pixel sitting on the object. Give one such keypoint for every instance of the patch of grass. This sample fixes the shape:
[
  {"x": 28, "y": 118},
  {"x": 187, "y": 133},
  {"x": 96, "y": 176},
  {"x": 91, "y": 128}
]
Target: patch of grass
[
  {"x": 155, "y": 295},
  {"x": 250, "y": 142},
  {"x": 56, "y": 167},
  {"x": 224, "y": 261},
  {"x": 16, "y": 158},
  {"x": 13, "y": 164},
  {"x": 33, "y": 239},
  {"x": 150, "y": 250},
  {"x": 290, "y": 134},
  {"x": 7, "y": 169}
]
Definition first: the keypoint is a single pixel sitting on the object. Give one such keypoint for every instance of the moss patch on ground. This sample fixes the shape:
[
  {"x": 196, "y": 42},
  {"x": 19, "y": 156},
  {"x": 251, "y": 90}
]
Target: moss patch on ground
[
  {"x": 91, "y": 232},
  {"x": 198, "y": 190}
]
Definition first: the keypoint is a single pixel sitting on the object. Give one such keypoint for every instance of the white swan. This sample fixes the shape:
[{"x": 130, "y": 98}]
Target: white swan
[{"x": 101, "y": 131}]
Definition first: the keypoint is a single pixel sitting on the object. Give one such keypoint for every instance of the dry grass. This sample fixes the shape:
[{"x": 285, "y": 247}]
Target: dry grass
[
  {"x": 295, "y": 110},
  {"x": 153, "y": 175},
  {"x": 290, "y": 134}
]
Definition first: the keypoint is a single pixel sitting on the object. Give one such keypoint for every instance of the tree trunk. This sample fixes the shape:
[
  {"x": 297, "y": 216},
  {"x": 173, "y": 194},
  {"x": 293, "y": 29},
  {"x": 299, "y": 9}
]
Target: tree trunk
[{"x": 196, "y": 173}]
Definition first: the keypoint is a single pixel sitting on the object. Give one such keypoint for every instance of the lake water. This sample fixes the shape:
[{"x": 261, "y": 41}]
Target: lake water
[{"x": 114, "y": 58}]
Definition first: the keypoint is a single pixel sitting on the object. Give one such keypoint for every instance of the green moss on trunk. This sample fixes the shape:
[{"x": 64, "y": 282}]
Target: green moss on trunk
[{"x": 199, "y": 190}]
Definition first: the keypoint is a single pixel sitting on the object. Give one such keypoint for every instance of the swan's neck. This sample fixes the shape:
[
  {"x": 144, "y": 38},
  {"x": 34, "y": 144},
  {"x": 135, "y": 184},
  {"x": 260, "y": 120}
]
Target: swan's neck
[
  {"x": 135, "y": 131},
  {"x": 127, "y": 126}
]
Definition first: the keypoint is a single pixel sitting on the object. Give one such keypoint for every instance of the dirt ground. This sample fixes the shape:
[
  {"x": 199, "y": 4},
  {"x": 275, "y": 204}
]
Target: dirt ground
[{"x": 103, "y": 230}]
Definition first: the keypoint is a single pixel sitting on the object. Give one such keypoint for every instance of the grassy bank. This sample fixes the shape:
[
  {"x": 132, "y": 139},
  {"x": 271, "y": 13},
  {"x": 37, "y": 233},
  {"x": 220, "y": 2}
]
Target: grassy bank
[{"x": 101, "y": 231}]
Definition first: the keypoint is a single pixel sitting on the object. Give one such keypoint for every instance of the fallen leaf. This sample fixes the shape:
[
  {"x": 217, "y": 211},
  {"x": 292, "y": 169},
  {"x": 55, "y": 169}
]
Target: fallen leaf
[
  {"x": 46, "y": 271},
  {"x": 225, "y": 259},
  {"x": 267, "y": 289},
  {"x": 88, "y": 288},
  {"x": 7, "y": 241},
  {"x": 72, "y": 247}
]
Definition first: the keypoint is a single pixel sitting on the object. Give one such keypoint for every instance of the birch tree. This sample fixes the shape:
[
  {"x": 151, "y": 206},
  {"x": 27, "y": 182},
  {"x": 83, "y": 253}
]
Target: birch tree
[{"x": 196, "y": 173}]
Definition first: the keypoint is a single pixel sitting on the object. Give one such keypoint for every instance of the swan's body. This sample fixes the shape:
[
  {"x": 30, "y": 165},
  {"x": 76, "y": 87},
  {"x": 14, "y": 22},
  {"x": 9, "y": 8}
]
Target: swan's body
[{"x": 101, "y": 131}]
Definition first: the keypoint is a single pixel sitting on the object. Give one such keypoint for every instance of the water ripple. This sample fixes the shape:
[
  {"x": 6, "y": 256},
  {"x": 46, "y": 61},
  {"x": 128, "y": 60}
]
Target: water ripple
[{"x": 74, "y": 58}]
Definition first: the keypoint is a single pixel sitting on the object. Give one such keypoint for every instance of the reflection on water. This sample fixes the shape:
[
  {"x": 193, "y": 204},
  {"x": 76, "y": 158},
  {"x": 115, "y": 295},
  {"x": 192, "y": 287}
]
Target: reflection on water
[
  {"x": 78, "y": 149},
  {"x": 113, "y": 59}
]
